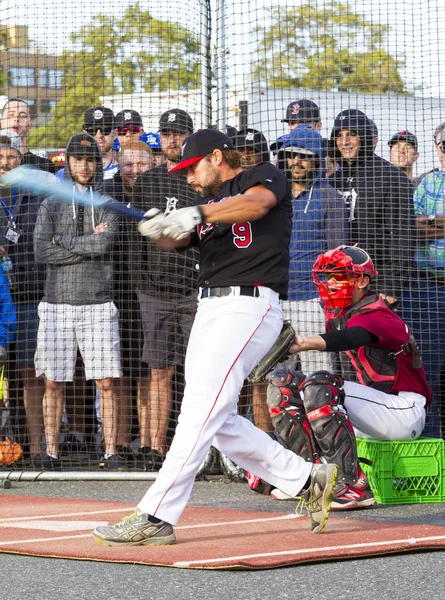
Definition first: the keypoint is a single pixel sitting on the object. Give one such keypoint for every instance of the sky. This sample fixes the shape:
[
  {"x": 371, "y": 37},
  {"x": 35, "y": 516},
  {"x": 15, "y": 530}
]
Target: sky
[{"x": 418, "y": 28}]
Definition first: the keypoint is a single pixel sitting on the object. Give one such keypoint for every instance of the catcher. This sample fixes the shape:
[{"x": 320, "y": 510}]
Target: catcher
[{"x": 318, "y": 415}]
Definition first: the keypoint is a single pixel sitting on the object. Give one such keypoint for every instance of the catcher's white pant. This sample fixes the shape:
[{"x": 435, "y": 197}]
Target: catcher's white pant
[
  {"x": 229, "y": 336},
  {"x": 384, "y": 417}
]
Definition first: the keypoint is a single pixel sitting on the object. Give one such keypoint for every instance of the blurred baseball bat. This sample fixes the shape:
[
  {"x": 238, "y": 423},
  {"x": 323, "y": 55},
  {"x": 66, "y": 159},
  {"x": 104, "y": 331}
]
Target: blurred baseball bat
[{"x": 38, "y": 182}]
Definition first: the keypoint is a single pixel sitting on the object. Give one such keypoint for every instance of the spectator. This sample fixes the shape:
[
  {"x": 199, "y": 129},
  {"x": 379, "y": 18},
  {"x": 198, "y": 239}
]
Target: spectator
[
  {"x": 166, "y": 284},
  {"x": 319, "y": 222},
  {"x": 423, "y": 306},
  {"x": 303, "y": 112},
  {"x": 300, "y": 112},
  {"x": 378, "y": 198},
  {"x": 99, "y": 123},
  {"x": 18, "y": 215},
  {"x": 403, "y": 153},
  {"x": 253, "y": 147},
  {"x": 153, "y": 141},
  {"x": 16, "y": 121},
  {"x": 128, "y": 124},
  {"x": 7, "y": 318},
  {"x": 77, "y": 311},
  {"x": 134, "y": 158}
]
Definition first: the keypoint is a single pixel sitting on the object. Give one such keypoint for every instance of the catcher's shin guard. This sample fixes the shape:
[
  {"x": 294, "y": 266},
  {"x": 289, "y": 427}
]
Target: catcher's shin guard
[
  {"x": 286, "y": 409},
  {"x": 284, "y": 390},
  {"x": 323, "y": 400}
]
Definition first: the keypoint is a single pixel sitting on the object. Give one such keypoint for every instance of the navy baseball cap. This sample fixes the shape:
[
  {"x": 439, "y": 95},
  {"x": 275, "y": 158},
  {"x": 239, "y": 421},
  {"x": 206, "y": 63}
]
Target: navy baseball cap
[
  {"x": 200, "y": 144},
  {"x": 403, "y": 136},
  {"x": 302, "y": 110},
  {"x": 126, "y": 118},
  {"x": 176, "y": 120}
]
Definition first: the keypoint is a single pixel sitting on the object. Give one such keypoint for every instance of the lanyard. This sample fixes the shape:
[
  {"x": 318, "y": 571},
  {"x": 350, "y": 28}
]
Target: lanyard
[{"x": 7, "y": 209}]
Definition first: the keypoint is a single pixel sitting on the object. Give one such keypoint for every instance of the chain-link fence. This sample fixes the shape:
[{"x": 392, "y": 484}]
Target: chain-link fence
[{"x": 94, "y": 372}]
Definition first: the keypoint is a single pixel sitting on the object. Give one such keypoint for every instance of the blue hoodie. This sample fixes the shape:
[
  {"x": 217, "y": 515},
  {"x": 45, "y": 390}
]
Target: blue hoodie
[{"x": 319, "y": 219}]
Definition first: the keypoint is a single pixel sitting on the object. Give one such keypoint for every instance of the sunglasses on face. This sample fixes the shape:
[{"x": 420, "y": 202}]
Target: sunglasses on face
[
  {"x": 93, "y": 130},
  {"x": 130, "y": 128}
]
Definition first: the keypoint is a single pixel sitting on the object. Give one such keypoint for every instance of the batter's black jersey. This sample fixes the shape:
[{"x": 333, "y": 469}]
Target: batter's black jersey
[
  {"x": 251, "y": 253},
  {"x": 156, "y": 271}
]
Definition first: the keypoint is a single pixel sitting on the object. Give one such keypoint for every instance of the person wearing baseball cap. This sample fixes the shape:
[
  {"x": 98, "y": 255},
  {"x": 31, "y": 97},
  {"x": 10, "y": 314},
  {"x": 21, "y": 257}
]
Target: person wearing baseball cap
[
  {"x": 174, "y": 126},
  {"x": 153, "y": 141},
  {"x": 253, "y": 147},
  {"x": 242, "y": 227},
  {"x": 99, "y": 123},
  {"x": 403, "y": 152},
  {"x": 302, "y": 111},
  {"x": 128, "y": 125}
]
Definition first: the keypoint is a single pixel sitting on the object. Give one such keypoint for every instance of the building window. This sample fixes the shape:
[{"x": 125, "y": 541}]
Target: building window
[
  {"x": 32, "y": 106},
  {"x": 46, "y": 106},
  {"x": 21, "y": 77},
  {"x": 51, "y": 78}
]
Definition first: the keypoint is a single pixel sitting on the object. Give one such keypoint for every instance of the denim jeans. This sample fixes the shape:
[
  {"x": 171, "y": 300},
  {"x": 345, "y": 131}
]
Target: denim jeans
[{"x": 423, "y": 308}]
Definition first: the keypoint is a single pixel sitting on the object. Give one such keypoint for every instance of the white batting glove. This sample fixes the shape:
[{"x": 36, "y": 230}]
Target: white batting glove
[
  {"x": 153, "y": 224},
  {"x": 179, "y": 223}
]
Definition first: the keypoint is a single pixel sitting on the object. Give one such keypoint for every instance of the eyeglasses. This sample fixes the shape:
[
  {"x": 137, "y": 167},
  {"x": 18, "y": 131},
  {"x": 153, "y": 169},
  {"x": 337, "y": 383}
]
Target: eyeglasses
[
  {"x": 130, "y": 128},
  {"x": 441, "y": 146},
  {"x": 92, "y": 130}
]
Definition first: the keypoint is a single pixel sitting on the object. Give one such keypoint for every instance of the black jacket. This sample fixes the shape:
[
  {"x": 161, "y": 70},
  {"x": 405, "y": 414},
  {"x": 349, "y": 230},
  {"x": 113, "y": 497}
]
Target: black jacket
[
  {"x": 161, "y": 273},
  {"x": 379, "y": 198}
]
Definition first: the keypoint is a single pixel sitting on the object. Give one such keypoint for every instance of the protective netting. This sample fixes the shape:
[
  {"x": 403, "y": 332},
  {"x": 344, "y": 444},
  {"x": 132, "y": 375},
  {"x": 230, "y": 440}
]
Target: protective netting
[{"x": 95, "y": 361}]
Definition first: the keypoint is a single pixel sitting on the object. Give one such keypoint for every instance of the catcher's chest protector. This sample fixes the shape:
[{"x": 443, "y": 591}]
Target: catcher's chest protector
[
  {"x": 376, "y": 367},
  {"x": 323, "y": 397}
]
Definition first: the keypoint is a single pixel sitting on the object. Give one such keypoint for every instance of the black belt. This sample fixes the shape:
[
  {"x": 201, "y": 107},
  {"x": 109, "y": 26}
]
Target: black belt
[{"x": 219, "y": 292}]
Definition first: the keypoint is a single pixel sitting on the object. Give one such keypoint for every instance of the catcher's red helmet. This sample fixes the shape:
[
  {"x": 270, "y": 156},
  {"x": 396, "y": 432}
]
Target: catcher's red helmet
[{"x": 336, "y": 273}]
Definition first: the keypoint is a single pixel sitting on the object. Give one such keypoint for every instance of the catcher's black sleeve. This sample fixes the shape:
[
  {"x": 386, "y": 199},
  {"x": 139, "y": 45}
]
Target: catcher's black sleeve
[{"x": 347, "y": 339}]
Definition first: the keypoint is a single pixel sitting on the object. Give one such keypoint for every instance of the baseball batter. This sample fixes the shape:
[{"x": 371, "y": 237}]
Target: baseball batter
[
  {"x": 242, "y": 228},
  {"x": 388, "y": 403}
]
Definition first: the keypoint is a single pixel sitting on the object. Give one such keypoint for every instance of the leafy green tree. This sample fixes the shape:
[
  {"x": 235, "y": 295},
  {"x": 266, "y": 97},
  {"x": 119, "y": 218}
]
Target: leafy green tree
[
  {"x": 130, "y": 54},
  {"x": 330, "y": 48}
]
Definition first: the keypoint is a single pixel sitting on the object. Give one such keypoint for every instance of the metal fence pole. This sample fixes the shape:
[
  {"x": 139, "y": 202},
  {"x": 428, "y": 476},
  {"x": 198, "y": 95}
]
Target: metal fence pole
[{"x": 221, "y": 76}]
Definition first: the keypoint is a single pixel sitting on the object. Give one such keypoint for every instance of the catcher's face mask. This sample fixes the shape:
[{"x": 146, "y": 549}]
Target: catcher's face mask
[{"x": 336, "y": 273}]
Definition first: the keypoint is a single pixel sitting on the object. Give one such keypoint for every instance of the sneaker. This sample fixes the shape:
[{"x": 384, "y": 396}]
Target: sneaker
[
  {"x": 347, "y": 497},
  {"x": 150, "y": 460},
  {"x": 317, "y": 498},
  {"x": 135, "y": 530},
  {"x": 127, "y": 456},
  {"x": 44, "y": 462},
  {"x": 277, "y": 494},
  {"x": 113, "y": 463}
]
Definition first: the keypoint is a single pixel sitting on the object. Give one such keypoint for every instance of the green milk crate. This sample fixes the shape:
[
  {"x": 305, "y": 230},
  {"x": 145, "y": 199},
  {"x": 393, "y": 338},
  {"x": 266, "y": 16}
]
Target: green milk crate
[{"x": 405, "y": 472}]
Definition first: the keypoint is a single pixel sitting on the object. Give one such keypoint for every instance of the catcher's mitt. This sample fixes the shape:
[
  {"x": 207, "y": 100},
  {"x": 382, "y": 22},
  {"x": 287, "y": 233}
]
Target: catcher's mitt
[
  {"x": 278, "y": 353},
  {"x": 9, "y": 452}
]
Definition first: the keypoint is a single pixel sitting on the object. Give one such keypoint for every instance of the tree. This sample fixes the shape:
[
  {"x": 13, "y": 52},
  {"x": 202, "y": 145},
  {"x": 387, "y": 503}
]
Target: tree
[
  {"x": 330, "y": 48},
  {"x": 132, "y": 54}
]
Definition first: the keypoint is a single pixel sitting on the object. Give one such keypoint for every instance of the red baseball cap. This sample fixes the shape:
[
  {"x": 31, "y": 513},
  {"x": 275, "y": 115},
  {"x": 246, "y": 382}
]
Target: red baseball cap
[{"x": 198, "y": 145}]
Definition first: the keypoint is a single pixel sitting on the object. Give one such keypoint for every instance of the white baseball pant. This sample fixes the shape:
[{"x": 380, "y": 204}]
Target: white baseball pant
[{"x": 229, "y": 336}]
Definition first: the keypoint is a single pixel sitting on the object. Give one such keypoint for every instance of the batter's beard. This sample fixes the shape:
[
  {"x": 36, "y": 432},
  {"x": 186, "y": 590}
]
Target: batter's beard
[{"x": 210, "y": 188}]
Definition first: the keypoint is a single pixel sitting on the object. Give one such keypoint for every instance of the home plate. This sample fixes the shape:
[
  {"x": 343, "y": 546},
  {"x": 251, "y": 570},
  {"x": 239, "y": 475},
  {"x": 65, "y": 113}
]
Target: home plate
[{"x": 208, "y": 538}]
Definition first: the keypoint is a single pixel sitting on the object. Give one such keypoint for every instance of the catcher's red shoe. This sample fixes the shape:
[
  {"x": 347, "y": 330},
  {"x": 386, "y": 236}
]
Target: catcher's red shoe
[{"x": 347, "y": 497}]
